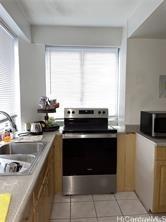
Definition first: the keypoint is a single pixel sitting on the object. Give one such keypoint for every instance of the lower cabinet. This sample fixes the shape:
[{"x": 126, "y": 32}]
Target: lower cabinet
[
  {"x": 126, "y": 162},
  {"x": 58, "y": 163},
  {"x": 151, "y": 174},
  {"x": 28, "y": 215},
  {"x": 39, "y": 206},
  {"x": 159, "y": 204},
  {"x": 44, "y": 191}
]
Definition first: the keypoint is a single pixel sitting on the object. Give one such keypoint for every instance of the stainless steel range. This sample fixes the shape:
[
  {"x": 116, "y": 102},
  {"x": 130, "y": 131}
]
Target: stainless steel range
[{"x": 89, "y": 152}]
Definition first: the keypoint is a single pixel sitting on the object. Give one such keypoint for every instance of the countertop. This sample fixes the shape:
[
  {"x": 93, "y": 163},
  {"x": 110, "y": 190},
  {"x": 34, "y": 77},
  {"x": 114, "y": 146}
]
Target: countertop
[
  {"x": 157, "y": 141},
  {"x": 22, "y": 186},
  {"x": 127, "y": 128},
  {"x": 136, "y": 129}
]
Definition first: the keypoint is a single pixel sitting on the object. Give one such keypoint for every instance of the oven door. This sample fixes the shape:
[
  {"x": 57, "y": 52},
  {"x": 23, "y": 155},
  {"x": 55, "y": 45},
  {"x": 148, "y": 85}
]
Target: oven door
[{"x": 89, "y": 161}]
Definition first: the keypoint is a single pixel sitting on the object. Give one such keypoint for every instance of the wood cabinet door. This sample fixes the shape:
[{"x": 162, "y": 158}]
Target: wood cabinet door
[
  {"x": 39, "y": 209},
  {"x": 126, "y": 146},
  {"x": 28, "y": 215},
  {"x": 58, "y": 163},
  {"x": 160, "y": 187},
  {"x": 44, "y": 190},
  {"x": 51, "y": 185},
  {"x": 42, "y": 212}
]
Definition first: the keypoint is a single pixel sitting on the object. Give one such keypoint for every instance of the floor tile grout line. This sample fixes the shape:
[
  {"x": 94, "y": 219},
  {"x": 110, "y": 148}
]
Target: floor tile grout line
[
  {"x": 95, "y": 208},
  {"x": 140, "y": 201},
  {"x": 84, "y": 218},
  {"x": 137, "y": 199},
  {"x": 88, "y": 201},
  {"x": 70, "y": 209},
  {"x": 119, "y": 206}
]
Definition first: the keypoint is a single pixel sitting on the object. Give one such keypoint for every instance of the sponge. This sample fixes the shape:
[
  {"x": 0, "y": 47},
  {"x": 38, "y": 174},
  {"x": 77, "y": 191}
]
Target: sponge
[{"x": 4, "y": 205}]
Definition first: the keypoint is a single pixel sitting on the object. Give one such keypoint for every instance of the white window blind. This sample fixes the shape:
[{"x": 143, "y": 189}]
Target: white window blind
[
  {"x": 8, "y": 77},
  {"x": 83, "y": 77}
]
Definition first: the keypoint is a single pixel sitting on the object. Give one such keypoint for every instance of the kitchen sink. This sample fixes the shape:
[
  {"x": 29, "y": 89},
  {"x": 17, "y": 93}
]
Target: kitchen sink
[
  {"x": 26, "y": 154},
  {"x": 21, "y": 148},
  {"x": 29, "y": 158}
]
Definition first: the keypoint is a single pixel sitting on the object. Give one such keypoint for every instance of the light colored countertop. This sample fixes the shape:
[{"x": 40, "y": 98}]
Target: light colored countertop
[
  {"x": 22, "y": 186},
  {"x": 135, "y": 129},
  {"x": 127, "y": 128},
  {"x": 156, "y": 141}
]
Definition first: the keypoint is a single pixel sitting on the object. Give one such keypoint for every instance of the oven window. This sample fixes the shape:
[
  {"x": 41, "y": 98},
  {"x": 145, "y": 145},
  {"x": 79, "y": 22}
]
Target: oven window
[{"x": 89, "y": 156}]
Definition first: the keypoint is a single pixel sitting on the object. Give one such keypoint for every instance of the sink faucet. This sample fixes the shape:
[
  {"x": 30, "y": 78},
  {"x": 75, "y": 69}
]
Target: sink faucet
[{"x": 14, "y": 127}]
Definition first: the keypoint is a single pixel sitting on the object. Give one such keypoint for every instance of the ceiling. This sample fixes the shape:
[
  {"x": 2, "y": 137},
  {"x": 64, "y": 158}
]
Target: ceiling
[
  {"x": 154, "y": 26},
  {"x": 78, "y": 12}
]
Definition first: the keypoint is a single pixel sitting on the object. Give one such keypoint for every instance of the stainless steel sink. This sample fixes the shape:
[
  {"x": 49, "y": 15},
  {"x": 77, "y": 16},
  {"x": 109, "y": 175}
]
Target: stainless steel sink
[
  {"x": 29, "y": 158},
  {"x": 27, "y": 154},
  {"x": 21, "y": 148}
]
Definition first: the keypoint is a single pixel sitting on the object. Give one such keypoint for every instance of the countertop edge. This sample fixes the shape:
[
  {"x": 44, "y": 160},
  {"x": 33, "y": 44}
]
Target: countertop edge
[{"x": 157, "y": 141}]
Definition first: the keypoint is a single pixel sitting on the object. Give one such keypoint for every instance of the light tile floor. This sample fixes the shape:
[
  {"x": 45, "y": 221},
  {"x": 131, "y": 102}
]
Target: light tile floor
[{"x": 101, "y": 208}]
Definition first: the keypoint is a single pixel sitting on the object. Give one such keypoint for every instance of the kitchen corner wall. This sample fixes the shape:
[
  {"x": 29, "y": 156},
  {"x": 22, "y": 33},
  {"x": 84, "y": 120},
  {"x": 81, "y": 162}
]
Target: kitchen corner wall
[
  {"x": 32, "y": 79},
  {"x": 146, "y": 61}
]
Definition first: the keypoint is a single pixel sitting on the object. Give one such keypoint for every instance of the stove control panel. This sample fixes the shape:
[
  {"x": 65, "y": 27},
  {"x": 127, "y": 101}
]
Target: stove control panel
[{"x": 85, "y": 113}]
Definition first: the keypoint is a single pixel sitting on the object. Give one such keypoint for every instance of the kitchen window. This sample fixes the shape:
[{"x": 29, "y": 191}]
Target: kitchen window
[
  {"x": 83, "y": 77},
  {"x": 9, "y": 82}
]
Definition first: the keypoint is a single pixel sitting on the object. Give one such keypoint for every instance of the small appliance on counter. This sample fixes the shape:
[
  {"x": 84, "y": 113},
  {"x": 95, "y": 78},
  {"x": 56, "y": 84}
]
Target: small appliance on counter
[
  {"x": 153, "y": 123},
  {"x": 36, "y": 128}
]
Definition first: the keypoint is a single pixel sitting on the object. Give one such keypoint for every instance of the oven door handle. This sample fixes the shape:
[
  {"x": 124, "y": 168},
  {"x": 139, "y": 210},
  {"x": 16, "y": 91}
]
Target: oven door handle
[{"x": 88, "y": 135}]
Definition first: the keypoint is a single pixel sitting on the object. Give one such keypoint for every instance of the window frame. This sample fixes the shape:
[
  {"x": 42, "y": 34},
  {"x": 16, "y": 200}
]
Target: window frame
[{"x": 112, "y": 118}]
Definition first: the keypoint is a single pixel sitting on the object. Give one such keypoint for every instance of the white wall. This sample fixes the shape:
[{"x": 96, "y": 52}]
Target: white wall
[
  {"x": 122, "y": 78},
  {"x": 93, "y": 36},
  {"x": 32, "y": 79},
  {"x": 12, "y": 15},
  {"x": 146, "y": 61},
  {"x": 145, "y": 9}
]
